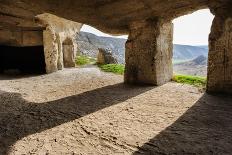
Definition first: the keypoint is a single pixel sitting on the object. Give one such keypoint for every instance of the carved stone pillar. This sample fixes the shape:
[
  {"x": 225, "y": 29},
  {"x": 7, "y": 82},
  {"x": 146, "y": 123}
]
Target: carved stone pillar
[{"x": 149, "y": 53}]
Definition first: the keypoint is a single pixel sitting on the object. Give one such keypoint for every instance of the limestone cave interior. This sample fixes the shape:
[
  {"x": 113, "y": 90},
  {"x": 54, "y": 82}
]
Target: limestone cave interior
[
  {"x": 25, "y": 60},
  {"x": 87, "y": 110}
]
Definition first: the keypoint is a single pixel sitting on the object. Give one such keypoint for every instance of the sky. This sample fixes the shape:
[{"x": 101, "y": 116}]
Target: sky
[{"x": 192, "y": 29}]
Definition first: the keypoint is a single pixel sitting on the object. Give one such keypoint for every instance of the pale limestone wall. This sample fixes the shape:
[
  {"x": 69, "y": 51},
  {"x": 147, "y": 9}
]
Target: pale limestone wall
[
  {"x": 220, "y": 53},
  {"x": 51, "y": 50},
  {"x": 21, "y": 37},
  {"x": 149, "y": 52},
  {"x": 58, "y": 30}
]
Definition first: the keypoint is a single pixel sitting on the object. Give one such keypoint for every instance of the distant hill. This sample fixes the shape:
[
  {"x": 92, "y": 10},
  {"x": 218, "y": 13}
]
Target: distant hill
[
  {"x": 197, "y": 66},
  {"x": 186, "y": 52},
  {"x": 89, "y": 43}
]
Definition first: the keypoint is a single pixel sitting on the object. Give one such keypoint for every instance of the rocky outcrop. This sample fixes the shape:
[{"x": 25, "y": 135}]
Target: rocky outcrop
[{"x": 105, "y": 56}]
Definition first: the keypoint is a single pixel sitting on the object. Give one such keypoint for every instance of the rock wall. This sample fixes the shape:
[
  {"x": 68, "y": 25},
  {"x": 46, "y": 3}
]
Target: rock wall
[
  {"x": 220, "y": 51},
  {"x": 149, "y": 52},
  {"x": 58, "y": 40},
  {"x": 21, "y": 38}
]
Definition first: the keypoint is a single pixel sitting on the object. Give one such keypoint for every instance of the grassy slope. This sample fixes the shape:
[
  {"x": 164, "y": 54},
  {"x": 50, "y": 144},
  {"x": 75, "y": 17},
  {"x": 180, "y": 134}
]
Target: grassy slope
[
  {"x": 114, "y": 68},
  {"x": 85, "y": 60},
  {"x": 192, "y": 80}
]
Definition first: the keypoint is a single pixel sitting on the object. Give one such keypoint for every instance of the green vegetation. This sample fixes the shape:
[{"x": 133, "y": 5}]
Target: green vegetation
[
  {"x": 192, "y": 80},
  {"x": 85, "y": 60},
  {"x": 120, "y": 68},
  {"x": 114, "y": 68}
]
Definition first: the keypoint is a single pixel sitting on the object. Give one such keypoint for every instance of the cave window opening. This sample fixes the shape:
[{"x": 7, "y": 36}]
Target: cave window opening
[
  {"x": 90, "y": 40},
  {"x": 190, "y": 43}
]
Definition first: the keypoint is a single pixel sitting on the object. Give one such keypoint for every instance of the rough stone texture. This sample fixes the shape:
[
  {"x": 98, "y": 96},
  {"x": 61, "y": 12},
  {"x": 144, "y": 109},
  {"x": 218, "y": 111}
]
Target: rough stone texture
[
  {"x": 21, "y": 38},
  {"x": 69, "y": 53},
  {"x": 149, "y": 53},
  {"x": 50, "y": 50},
  {"x": 220, "y": 52},
  {"x": 108, "y": 15},
  {"x": 105, "y": 57},
  {"x": 58, "y": 37}
]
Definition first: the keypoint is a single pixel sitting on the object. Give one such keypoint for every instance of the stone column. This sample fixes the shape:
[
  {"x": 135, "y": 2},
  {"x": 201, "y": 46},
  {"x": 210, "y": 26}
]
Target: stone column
[
  {"x": 60, "y": 63},
  {"x": 220, "y": 52},
  {"x": 149, "y": 53},
  {"x": 50, "y": 50}
]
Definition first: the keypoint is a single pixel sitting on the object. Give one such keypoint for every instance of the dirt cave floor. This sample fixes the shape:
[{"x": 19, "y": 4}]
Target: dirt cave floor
[{"x": 85, "y": 111}]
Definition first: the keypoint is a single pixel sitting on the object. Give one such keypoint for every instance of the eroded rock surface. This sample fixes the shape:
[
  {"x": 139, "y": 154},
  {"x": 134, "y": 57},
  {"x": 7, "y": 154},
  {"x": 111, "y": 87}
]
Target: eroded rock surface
[
  {"x": 108, "y": 15},
  {"x": 149, "y": 53},
  {"x": 105, "y": 56},
  {"x": 220, "y": 52}
]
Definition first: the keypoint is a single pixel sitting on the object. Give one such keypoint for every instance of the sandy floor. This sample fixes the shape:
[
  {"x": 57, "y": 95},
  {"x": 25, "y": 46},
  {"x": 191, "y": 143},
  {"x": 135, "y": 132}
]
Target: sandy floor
[{"x": 85, "y": 111}]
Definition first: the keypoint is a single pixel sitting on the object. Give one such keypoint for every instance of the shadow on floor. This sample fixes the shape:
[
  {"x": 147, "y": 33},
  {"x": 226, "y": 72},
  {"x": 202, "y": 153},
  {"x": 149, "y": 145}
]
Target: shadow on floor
[
  {"x": 206, "y": 128},
  {"x": 20, "y": 118},
  {"x": 16, "y": 76}
]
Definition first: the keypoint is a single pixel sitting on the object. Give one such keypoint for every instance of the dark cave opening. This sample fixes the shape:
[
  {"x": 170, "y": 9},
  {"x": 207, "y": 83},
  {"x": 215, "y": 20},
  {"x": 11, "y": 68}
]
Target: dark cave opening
[{"x": 26, "y": 60}]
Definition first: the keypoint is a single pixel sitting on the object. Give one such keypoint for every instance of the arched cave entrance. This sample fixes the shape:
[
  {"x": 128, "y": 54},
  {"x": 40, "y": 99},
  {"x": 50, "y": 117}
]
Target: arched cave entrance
[
  {"x": 190, "y": 43},
  {"x": 23, "y": 59}
]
